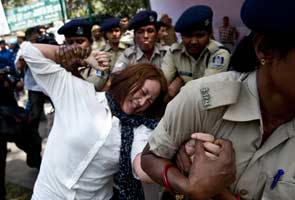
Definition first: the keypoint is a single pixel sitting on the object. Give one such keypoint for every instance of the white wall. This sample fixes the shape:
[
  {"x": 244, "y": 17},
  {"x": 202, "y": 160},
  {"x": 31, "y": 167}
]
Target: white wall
[{"x": 231, "y": 8}]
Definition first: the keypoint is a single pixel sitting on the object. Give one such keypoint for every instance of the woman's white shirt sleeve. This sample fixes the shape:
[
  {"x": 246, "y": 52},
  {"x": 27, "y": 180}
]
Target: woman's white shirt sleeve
[{"x": 141, "y": 136}]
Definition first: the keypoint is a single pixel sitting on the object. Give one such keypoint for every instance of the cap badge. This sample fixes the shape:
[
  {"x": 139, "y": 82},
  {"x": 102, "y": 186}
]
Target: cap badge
[
  {"x": 206, "y": 22},
  {"x": 79, "y": 30},
  {"x": 152, "y": 19}
]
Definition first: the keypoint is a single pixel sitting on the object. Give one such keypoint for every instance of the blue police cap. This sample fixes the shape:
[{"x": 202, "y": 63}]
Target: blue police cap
[
  {"x": 143, "y": 18},
  {"x": 76, "y": 28},
  {"x": 197, "y": 17},
  {"x": 269, "y": 16},
  {"x": 110, "y": 23}
]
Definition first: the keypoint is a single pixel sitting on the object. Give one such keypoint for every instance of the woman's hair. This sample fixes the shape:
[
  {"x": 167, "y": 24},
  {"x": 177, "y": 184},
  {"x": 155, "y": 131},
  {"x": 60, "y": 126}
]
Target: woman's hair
[
  {"x": 244, "y": 57},
  {"x": 131, "y": 79}
]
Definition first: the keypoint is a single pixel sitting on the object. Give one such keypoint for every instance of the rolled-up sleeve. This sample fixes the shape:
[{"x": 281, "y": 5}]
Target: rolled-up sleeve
[
  {"x": 168, "y": 66},
  {"x": 181, "y": 119},
  {"x": 121, "y": 63}
]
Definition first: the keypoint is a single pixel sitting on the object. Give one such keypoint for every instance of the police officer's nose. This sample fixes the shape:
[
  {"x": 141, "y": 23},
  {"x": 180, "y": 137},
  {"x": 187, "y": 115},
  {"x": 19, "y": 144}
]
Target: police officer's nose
[
  {"x": 145, "y": 35},
  {"x": 194, "y": 40}
]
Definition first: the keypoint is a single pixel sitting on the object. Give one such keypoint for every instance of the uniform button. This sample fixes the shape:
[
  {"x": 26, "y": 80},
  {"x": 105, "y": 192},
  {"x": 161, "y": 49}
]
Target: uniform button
[{"x": 243, "y": 192}]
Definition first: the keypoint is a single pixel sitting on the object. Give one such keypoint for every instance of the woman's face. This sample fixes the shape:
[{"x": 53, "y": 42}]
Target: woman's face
[{"x": 142, "y": 98}]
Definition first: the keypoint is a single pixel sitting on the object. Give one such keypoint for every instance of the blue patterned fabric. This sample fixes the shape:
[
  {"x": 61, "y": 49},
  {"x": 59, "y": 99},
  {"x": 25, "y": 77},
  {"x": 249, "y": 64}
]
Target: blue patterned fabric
[{"x": 129, "y": 187}]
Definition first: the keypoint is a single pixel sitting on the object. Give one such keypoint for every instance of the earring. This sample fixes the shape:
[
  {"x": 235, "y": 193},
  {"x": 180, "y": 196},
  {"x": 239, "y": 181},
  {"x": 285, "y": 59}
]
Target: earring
[{"x": 262, "y": 61}]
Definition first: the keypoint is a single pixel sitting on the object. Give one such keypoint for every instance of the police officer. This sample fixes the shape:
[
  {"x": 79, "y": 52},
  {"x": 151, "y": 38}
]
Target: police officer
[
  {"x": 77, "y": 32},
  {"x": 108, "y": 55},
  {"x": 78, "y": 42},
  {"x": 254, "y": 109},
  {"x": 146, "y": 49},
  {"x": 198, "y": 55},
  {"x": 98, "y": 40},
  {"x": 112, "y": 34}
]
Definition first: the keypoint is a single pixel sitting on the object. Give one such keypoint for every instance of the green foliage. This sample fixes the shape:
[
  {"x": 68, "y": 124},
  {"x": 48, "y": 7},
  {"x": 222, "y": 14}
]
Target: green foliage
[
  {"x": 83, "y": 8},
  {"x": 8, "y": 4},
  {"x": 112, "y": 7}
]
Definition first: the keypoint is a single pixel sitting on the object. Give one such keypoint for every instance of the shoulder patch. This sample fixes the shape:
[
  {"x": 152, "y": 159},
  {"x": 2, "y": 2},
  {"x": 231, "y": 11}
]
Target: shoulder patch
[{"x": 217, "y": 61}]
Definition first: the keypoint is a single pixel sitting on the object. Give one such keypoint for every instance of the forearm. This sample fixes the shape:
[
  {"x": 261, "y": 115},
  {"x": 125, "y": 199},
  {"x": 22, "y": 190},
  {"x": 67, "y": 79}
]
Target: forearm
[
  {"x": 175, "y": 86},
  {"x": 48, "y": 51},
  {"x": 154, "y": 166},
  {"x": 139, "y": 171}
]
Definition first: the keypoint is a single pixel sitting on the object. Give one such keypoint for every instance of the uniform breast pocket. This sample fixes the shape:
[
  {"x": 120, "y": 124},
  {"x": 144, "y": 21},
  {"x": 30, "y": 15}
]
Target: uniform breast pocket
[{"x": 283, "y": 190}]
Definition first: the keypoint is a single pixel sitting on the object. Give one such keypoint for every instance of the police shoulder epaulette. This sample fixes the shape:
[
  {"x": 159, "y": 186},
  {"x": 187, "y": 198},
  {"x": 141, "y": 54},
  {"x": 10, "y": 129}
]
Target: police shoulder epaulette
[
  {"x": 164, "y": 48},
  {"x": 175, "y": 47},
  {"x": 214, "y": 46},
  {"x": 219, "y": 93},
  {"x": 130, "y": 51}
]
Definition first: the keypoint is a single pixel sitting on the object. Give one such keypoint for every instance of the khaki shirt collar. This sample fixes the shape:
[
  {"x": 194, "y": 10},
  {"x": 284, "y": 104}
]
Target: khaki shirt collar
[
  {"x": 108, "y": 47},
  {"x": 247, "y": 106},
  {"x": 140, "y": 54}
]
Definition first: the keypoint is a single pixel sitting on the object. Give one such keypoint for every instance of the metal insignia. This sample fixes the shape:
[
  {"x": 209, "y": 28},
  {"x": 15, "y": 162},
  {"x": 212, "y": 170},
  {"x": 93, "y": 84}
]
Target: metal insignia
[
  {"x": 206, "y": 98},
  {"x": 152, "y": 19},
  {"x": 79, "y": 30},
  {"x": 207, "y": 22}
]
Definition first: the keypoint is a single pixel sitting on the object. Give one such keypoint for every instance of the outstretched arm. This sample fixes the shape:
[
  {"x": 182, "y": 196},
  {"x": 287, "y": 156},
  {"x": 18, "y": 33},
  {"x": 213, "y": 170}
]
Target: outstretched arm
[{"x": 206, "y": 177}]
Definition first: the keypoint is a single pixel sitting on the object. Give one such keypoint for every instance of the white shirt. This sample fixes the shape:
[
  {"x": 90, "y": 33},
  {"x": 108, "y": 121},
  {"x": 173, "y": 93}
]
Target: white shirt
[
  {"x": 29, "y": 81},
  {"x": 82, "y": 151}
]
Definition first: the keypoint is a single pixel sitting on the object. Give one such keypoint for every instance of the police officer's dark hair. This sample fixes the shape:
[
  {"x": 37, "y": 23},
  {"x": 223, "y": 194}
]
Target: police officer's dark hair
[
  {"x": 125, "y": 16},
  {"x": 31, "y": 31},
  {"x": 244, "y": 58}
]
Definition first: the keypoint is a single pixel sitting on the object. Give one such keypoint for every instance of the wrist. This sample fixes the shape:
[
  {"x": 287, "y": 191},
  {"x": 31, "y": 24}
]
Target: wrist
[{"x": 196, "y": 192}]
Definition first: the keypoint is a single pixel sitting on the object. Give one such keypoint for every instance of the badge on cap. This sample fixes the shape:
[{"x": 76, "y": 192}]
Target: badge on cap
[
  {"x": 79, "y": 30},
  {"x": 152, "y": 19},
  {"x": 218, "y": 61},
  {"x": 206, "y": 22}
]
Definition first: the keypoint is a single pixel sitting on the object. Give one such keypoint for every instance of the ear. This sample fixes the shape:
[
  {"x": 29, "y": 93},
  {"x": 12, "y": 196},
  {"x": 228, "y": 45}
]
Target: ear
[
  {"x": 258, "y": 43},
  {"x": 262, "y": 50}
]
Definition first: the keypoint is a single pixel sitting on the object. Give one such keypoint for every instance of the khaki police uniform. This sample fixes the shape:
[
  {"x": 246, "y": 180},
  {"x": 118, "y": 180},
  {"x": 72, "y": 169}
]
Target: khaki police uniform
[
  {"x": 213, "y": 59},
  {"x": 226, "y": 105},
  {"x": 134, "y": 54},
  {"x": 97, "y": 77},
  {"x": 99, "y": 44}
]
